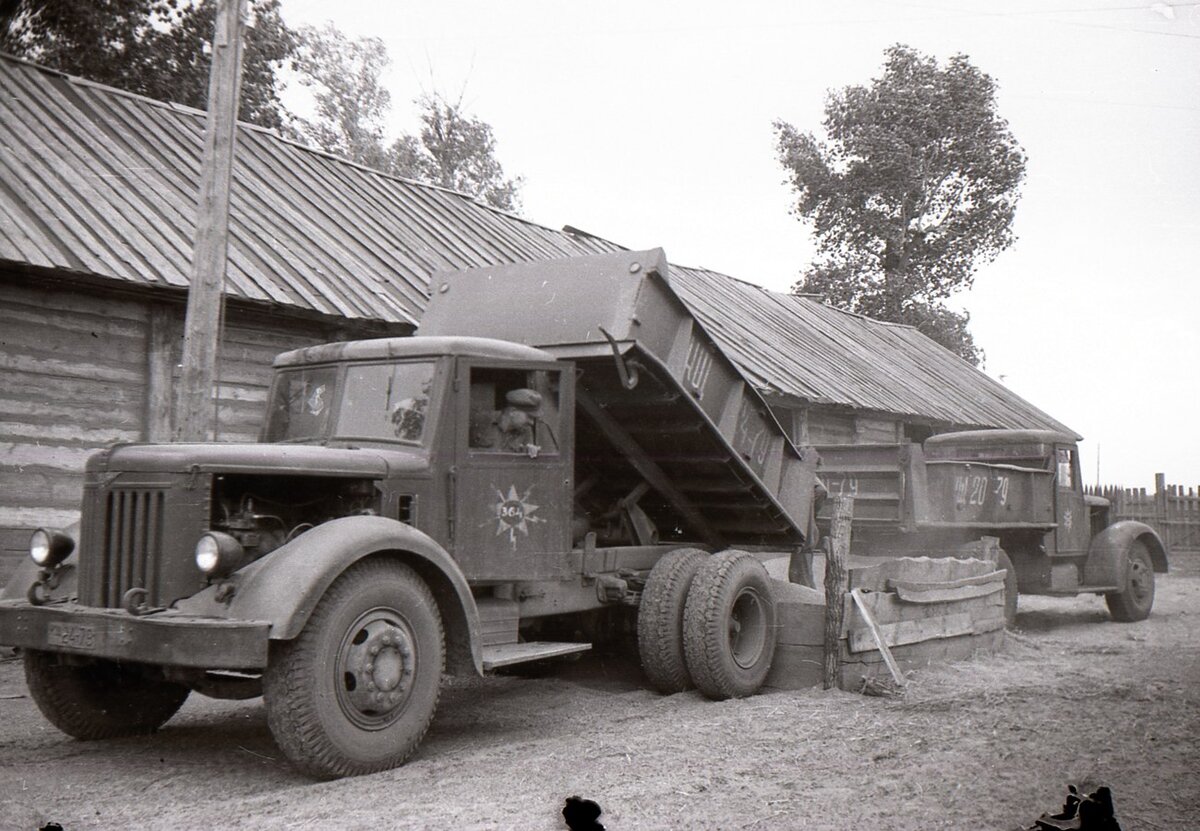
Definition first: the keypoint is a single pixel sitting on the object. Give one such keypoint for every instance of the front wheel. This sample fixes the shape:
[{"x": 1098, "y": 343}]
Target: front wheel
[
  {"x": 729, "y": 626},
  {"x": 1135, "y": 601},
  {"x": 99, "y": 700},
  {"x": 356, "y": 690}
]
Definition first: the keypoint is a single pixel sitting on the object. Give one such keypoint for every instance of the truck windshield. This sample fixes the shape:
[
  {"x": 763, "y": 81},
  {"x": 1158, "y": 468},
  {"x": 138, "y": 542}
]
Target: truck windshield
[
  {"x": 300, "y": 404},
  {"x": 386, "y": 401}
]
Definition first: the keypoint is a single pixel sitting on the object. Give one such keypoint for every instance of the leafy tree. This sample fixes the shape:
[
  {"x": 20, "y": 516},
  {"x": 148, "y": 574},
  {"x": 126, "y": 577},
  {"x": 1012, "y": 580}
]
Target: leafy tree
[
  {"x": 453, "y": 149},
  {"x": 183, "y": 61},
  {"x": 156, "y": 48},
  {"x": 457, "y": 151},
  {"x": 914, "y": 186},
  {"x": 350, "y": 101}
]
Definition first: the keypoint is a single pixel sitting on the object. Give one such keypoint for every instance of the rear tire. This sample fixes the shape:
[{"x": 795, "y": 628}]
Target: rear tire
[
  {"x": 1134, "y": 603},
  {"x": 660, "y": 620},
  {"x": 355, "y": 691},
  {"x": 1010, "y": 588},
  {"x": 729, "y": 626},
  {"x": 100, "y": 700}
]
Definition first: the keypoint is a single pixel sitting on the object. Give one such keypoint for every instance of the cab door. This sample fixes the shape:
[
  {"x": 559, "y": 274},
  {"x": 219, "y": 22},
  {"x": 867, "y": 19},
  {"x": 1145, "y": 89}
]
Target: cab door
[
  {"x": 511, "y": 483},
  {"x": 1071, "y": 514}
]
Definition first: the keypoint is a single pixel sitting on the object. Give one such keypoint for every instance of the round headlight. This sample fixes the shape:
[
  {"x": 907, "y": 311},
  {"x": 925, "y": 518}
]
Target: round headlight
[
  {"x": 39, "y": 547},
  {"x": 219, "y": 554},
  {"x": 208, "y": 554},
  {"x": 48, "y": 548}
]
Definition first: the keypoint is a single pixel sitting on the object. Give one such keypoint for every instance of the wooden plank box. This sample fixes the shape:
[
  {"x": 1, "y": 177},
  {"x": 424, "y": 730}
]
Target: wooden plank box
[{"x": 929, "y": 610}]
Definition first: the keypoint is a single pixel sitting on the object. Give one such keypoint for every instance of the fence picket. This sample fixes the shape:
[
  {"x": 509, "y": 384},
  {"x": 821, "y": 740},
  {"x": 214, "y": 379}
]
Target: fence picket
[{"x": 1172, "y": 510}]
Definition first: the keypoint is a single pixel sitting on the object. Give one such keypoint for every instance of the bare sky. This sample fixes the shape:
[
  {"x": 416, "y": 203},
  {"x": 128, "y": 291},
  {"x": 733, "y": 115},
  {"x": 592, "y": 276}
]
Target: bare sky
[{"x": 649, "y": 123}]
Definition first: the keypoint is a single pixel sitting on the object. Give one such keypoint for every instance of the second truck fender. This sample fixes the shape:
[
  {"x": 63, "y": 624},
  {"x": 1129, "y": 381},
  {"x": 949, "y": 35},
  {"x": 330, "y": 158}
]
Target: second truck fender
[
  {"x": 284, "y": 586},
  {"x": 1106, "y": 555}
]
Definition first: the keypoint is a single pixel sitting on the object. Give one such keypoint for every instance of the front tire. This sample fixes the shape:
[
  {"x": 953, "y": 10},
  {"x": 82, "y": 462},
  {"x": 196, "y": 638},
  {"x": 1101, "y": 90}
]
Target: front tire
[
  {"x": 356, "y": 690},
  {"x": 660, "y": 620},
  {"x": 99, "y": 700},
  {"x": 729, "y": 626},
  {"x": 1135, "y": 602}
]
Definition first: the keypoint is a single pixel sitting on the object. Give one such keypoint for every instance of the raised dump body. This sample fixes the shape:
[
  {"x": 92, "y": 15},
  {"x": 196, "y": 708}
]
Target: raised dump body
[{"x": 657, "y": 399}]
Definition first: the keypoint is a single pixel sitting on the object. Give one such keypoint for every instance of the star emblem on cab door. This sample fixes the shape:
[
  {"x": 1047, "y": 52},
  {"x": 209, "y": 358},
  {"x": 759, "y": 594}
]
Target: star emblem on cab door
[{"x": 514, "y": 513}]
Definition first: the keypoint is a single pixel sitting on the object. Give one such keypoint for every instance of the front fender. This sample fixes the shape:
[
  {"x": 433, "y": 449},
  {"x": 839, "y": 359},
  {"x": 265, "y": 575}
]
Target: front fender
[
  {"x": 1106, "y": 555},
  {"x": 283, "y": 587}
]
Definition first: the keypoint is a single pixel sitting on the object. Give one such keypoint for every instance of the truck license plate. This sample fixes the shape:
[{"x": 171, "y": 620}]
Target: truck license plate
[{"x": 72, "y": 635}]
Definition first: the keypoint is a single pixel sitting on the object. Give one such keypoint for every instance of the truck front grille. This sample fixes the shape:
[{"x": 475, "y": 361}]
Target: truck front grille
[{"x": 132, "y": 537}]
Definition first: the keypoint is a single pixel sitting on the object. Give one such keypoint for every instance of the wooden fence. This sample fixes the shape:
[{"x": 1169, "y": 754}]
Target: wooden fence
[{"x": 1172, "y": 510}]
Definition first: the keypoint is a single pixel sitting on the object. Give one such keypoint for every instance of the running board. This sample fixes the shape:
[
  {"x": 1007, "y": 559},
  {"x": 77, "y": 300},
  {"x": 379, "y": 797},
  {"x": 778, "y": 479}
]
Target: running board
[
  {"x": 507, "y": 654},
  {"x": 1076, "y": 591}
]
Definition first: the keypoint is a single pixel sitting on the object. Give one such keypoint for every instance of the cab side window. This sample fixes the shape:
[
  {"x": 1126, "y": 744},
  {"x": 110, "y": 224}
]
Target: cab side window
[
  {"x": 514, "y": 411},
  {"x": 1066, "y": 467}
]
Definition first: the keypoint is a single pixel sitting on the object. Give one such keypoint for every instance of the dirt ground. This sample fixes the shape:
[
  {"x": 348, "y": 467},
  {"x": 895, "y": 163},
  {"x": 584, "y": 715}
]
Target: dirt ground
[{"x": 985, "y": 744}]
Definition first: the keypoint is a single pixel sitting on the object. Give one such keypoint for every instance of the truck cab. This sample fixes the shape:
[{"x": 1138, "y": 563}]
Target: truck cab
[
  {"x": 515, "y": 482},
  {"x": 484, "y": 427}
]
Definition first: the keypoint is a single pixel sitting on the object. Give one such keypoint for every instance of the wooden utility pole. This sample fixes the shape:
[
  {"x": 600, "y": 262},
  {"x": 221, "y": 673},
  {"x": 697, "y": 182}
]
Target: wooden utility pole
[
  {"x": 836, "y": 586},
  {"x": 195, "y": 409}
]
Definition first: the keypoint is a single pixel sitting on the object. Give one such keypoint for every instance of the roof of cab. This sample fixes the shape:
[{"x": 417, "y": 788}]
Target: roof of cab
[{"x": 415, "y": 347}]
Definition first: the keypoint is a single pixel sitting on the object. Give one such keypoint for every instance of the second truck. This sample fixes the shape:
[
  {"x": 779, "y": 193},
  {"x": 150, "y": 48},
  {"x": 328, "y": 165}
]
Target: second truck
[{"x": 1020, "y": 488}]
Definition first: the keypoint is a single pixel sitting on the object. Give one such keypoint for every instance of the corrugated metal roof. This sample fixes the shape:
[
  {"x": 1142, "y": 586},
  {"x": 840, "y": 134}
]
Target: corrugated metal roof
[
  {"x": 103, "y": 182},
  {"x": 99, "y": 181},
  {"x": 797, "y": 346}
]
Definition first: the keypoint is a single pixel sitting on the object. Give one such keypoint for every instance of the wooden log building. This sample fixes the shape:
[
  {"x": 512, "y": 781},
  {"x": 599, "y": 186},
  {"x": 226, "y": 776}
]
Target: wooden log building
[{"x": 97, "y": 214}]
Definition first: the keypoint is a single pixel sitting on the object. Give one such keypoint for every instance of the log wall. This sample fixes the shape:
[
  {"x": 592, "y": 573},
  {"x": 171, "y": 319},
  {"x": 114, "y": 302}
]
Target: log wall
[
  {"x": 81, "y": 369},
  {"x": 816, "y": 425}
]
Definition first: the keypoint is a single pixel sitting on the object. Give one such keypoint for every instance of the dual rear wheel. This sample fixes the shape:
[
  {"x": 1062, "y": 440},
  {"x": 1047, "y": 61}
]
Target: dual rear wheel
[{"x": 709, "y": 622}]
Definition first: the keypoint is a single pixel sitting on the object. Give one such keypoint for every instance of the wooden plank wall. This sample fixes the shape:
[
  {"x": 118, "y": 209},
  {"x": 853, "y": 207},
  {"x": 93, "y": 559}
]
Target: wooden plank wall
[
  {"x": 80, "y": 370},
  {"x": 814, "y": 426}
]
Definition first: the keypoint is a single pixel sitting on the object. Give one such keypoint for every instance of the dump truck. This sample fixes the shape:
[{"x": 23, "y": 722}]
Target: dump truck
[
  {"x": 560, "y": 456},
  {"x": 1020, "y": 488}
]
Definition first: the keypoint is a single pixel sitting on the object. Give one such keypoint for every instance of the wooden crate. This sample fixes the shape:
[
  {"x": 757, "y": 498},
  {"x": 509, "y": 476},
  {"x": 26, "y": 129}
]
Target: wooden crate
[{"x": 928, "y": 610}]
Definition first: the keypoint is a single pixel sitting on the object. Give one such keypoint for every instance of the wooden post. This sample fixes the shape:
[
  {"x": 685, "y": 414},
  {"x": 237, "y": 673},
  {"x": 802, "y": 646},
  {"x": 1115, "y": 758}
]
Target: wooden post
[
  {"x": 160, "y": 369},
  {"x": 877, "y": 634},
  {"x": 1163, "y": 523},
  {"x": 195, "y": 410},
  {"x": 836, "y": 585}
]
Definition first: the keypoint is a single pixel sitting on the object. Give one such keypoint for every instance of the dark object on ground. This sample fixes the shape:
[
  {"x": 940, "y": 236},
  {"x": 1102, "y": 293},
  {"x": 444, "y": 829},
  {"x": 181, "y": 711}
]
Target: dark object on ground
[
  {"x": 1081, "y": 812},
  {"x": 582, "y": 814}
]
